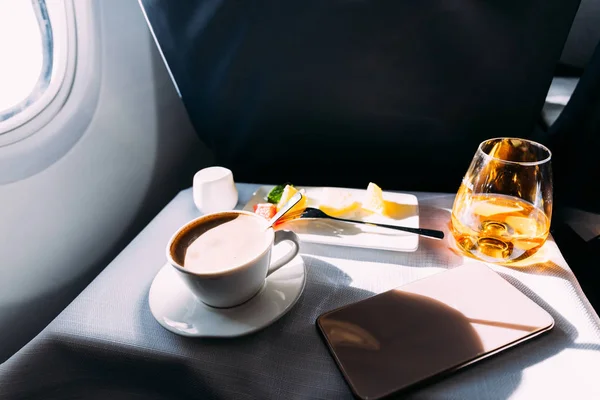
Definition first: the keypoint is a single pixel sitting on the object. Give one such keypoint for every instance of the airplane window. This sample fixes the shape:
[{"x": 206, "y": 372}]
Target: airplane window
[{"x": 32, "y": 52}]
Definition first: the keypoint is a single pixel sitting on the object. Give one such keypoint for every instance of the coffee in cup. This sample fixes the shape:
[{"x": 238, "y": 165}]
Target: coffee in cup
[{"x": 225, "y": 257}]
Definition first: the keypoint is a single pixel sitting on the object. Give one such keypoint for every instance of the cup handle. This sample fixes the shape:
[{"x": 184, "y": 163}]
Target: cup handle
[{"x": 281, "y": 236}]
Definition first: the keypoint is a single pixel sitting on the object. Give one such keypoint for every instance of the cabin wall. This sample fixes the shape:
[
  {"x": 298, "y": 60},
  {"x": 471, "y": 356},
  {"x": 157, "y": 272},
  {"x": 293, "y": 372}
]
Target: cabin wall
[{"x": 60, "y": 226}]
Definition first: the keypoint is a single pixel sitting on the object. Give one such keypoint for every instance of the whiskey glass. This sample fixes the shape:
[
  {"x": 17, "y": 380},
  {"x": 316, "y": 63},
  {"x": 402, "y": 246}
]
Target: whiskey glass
[{"x": 503, "y": 208}]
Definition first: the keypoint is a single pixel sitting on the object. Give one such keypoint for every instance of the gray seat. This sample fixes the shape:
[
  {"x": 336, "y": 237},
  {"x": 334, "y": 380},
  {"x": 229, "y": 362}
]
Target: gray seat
[
  {"x": 579, "y": 47},
  {"x": 558, "y": 96}
]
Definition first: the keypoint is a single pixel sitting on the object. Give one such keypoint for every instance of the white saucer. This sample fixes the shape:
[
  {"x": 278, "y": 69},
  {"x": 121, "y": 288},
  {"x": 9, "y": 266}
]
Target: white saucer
[{"x": 178, "y": 310}]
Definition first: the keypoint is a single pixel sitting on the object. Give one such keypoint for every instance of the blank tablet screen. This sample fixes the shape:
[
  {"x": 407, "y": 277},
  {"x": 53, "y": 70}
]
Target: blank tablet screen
[{"x": 435, "y": 325}]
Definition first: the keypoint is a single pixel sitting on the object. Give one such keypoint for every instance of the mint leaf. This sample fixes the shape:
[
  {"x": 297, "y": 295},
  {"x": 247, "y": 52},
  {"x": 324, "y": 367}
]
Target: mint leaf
[{"x": 275, "y": 194}]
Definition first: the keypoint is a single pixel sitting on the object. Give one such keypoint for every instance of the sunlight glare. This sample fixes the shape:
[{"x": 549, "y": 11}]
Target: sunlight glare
[{"x": 21, "y": 49}]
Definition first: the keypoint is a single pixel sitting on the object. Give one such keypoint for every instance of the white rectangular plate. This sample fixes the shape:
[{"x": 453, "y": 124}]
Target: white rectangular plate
[{"x": 328, "y": 231}]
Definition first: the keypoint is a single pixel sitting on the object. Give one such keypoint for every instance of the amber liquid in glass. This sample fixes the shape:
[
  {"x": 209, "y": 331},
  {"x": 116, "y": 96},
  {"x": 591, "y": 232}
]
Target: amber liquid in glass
[{"x": 497, "y": 228}]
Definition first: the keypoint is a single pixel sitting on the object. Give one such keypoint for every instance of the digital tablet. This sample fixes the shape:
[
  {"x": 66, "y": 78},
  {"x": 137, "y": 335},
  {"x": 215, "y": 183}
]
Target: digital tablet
[{"x": 431, "y": 327}]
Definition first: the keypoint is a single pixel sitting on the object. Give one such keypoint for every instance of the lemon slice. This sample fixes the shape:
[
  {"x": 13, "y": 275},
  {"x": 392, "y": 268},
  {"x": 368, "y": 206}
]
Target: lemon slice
[
  {"x": 336, "y": 202},
  {"x": 286, "y": 195},
  {"x": 373, "y": 200}
]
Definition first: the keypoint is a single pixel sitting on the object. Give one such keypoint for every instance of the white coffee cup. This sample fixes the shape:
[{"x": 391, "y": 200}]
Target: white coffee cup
[
  {"x": 214, "y": 190},
  {"x": 240, "y": 283}
]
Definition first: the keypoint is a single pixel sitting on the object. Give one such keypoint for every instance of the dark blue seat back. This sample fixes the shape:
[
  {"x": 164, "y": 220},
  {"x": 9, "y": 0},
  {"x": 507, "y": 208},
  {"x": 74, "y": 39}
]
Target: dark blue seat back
[{"x": 331, "y": 92}]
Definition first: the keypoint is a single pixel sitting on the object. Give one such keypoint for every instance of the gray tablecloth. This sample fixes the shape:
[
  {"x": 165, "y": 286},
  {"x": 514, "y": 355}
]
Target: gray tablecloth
[{"x": 107, "y": 345}]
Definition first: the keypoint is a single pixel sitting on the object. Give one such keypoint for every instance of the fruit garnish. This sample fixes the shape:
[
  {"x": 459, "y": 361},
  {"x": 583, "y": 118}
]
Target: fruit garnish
[
  {"x": 337, "y": 202},
  {"x": 266, "y": 210},
  {"x": 373, "y": 200},
  {"x": 398, "y": 211},
  {"x": 274, "y": 195},
  {"x": 286, "y": 195}
]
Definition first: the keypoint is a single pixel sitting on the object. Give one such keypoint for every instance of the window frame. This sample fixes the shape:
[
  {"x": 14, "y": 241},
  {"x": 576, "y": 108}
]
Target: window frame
[{"x": 57, "y": 28}]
